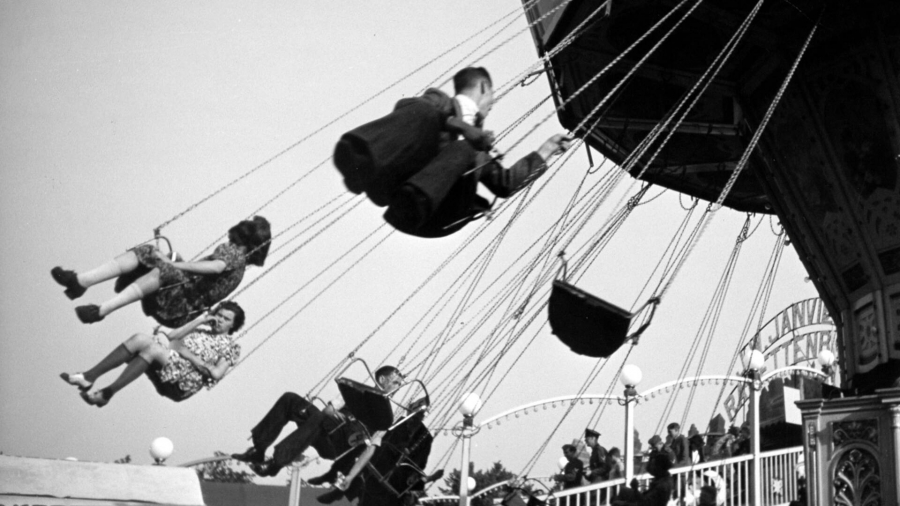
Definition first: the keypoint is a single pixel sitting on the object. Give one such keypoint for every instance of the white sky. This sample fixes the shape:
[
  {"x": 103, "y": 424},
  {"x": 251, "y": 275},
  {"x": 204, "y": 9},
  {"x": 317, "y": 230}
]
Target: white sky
[{"x": 117, "y": 116}]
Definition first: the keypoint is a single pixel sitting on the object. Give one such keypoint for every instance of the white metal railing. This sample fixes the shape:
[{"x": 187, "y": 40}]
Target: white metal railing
[
  {"x": 779, "y": 470},
  {"x": 731, "y": 477}
]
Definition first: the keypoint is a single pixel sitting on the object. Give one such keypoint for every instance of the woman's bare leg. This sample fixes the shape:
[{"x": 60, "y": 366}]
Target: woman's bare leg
[
  {"x": 120, "y": 355},
  {"x": 122, "y": 264},
  {"x": 148, "y": 354},
  {"x": 141, "y": 287}
]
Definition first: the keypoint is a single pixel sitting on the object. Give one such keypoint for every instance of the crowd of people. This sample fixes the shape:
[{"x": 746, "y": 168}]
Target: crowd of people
[{"x": 707, "y": 488}]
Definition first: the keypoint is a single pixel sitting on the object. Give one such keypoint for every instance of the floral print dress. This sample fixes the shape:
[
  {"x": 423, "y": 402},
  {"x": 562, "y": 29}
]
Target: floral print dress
[
  {"x": 210, "y": 348},
  {"x": 183, "y": 295}
]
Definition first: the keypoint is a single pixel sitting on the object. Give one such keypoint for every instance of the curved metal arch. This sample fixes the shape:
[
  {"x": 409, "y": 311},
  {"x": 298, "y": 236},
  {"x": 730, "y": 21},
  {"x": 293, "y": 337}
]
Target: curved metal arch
[
  {"x": 443, "y": 498},
  {"x": 536, "y": 404},
  {"x": 206, "y": 460},
  {"x": 694, "y": 379},
  {"x": 799, "y": 368}
]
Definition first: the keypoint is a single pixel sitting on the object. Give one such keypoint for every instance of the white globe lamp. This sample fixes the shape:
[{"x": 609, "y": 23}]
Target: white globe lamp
[
  {"x": 631, "y": 375},
  {"x": 470, "y": 404},
  {"x": 160, "y": 449},
  {"x": 470, "y": 483},
  {"x": 562, "y": 463},
  {"x": 825, "y": 358},
  {"x": 753, "y": 360}
]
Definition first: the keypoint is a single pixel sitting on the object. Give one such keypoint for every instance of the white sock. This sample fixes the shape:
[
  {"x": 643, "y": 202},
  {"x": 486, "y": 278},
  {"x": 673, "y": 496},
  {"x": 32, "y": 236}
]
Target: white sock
[{"x": 130, "y": 294}]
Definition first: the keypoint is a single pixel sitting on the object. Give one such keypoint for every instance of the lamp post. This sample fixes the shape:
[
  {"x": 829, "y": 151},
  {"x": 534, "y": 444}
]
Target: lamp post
[
  {"x": 753, "y": 362},
  {"x": 160, "y": 449},
  {"x": 630, "y": 377},
  {"x": 468, "y": 406}
]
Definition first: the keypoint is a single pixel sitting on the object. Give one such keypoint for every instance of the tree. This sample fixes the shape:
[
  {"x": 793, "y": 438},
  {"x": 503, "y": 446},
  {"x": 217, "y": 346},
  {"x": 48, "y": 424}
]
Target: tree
[
  {"x": 221, "y": 471},
  {"x": 124, "y": 460},
  {"x": 483, "y": 479}
]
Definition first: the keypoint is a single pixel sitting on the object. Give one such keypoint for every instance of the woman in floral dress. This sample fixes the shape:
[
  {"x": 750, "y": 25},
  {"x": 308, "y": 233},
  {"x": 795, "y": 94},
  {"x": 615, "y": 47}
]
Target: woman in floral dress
[
  {"x": 179, "y": 364},
  {"x": 172, "y": 292}
]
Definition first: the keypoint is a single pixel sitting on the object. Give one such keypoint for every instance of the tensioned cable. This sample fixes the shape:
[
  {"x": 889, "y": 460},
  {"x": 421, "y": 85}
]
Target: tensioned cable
[
  {"x": 749, "y": 149},
  {"x": 722, "y": 290},
  {"x": 698, "y": 337},
  {"x": 760, "y": 301},
  {"x": 264, "y": 205},
  {"x": 327, "y": 287},
  {"x": 614, "y": 61},
  {"x": 333, "y": 121},
  {"x": 538, "y": 310},
  {"x": 501, "y": 44},
  {"x": 289, "y": 254}
]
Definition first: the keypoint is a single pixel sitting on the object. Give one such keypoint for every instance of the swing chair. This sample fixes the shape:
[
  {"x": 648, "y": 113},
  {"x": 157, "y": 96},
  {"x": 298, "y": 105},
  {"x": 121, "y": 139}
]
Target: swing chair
[
  {"x": 126, "y": 279},
  {"x": 589, "y": 325},
  {"x": 371, "y": 406},
  {"x": 399, "y": 465},
  {"x": 517, "y": 490}
]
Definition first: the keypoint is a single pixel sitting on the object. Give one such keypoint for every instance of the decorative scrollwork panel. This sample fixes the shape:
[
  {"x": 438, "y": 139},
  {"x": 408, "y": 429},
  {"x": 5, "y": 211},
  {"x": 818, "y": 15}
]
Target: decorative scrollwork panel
[
  {"x": 855, "y": 431},
  {"x": 857, "y": 479}
]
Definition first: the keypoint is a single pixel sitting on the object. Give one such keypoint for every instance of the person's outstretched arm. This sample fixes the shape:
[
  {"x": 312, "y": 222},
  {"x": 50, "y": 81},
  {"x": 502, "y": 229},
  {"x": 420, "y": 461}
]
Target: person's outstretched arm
[
  {"x": 202, "y": 267},
  {"x": 363, "y": 459},
  {"x": 504, "y": 183},
  {"x": 189, "y": 327}
]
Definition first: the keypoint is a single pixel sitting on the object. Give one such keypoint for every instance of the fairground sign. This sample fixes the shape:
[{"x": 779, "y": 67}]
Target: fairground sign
[{"x": 793, "y": 337}]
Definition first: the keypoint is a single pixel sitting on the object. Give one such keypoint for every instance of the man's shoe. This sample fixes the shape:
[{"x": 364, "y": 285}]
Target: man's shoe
[
  {"x": 89, "y": 313},
  {"x": 251, "y": 456},
  {"x": 265, "y": 469},
  {"x": 331, "y": 496},
  {"x": 328, "y": 477},
  {"x": 69, "y": 280}
]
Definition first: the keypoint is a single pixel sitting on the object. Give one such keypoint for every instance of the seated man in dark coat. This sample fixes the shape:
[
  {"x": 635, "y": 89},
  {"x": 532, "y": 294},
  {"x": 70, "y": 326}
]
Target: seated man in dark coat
[
  {"x": 329, "y": 431},
  {"x": 377, "y": 157},
  {"x": 442, "y": 198},
  {"x": 412, "y": 160}
]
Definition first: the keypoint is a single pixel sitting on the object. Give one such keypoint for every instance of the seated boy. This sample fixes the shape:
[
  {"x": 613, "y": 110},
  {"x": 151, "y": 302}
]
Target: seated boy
[{"x": 324, "y": 430}]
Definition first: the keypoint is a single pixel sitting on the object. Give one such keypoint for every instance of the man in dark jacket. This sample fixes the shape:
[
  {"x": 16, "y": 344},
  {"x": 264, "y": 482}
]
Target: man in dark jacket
[
  {"x": 443, "y": 197},
  {"x": 598, "y": 466},
  {"x": 680, "y": 446}
]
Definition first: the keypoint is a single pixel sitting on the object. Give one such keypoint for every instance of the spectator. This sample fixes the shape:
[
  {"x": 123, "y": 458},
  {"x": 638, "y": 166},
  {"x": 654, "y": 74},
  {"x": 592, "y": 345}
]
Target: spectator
[
  {"x": 696, "y": 444},
  {"x": 742, "y": 444},
  {"x": 660, "y": 490},
  {"x": 598, "y": 468},
  {"x": 573, "y": 472},
  {"x": 707, "y": 496},
  {"x": 724, "y": 446},
  {"x": 615, "y": 464},
  {"x": 679, "y": 445}
]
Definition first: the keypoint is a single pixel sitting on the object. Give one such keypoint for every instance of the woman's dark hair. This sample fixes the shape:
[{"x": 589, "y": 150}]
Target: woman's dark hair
[
  {"x": 238, "y": 311},
  {"x": 255, "y": 235}
]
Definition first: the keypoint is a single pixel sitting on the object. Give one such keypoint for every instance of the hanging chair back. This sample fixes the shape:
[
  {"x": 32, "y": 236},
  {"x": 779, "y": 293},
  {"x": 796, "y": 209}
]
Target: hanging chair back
[
  {"x": 399, "y": 466},
  {"x": 517, "y": 490},
  {"x": 167, "y": 390},
  {"x": 589, "y": 325},
  {"x": 370, "y": 405},
  {"x": 126, "y": 279}
]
